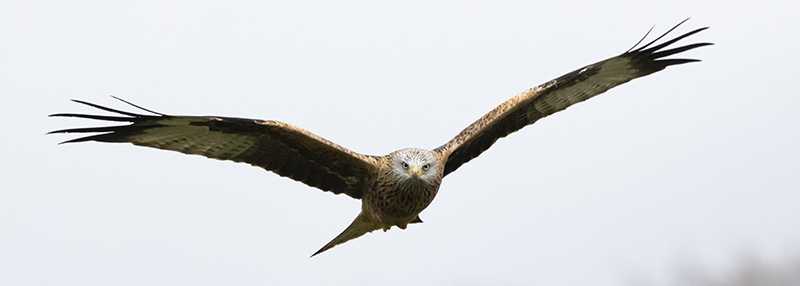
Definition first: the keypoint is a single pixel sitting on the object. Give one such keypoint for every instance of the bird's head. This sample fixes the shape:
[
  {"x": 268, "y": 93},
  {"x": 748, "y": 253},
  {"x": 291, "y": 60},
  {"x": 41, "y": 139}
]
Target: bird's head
[{"x": 415, "y": 165}]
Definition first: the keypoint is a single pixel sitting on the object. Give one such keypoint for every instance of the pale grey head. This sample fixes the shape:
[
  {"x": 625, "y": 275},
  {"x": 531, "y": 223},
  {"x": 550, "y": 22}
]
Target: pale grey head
[{"x": 415, "y": 166}]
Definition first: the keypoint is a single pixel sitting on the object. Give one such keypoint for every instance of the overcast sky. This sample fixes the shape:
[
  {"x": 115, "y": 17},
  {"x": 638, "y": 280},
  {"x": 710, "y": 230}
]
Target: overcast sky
[{"x": 688, "y": 169}]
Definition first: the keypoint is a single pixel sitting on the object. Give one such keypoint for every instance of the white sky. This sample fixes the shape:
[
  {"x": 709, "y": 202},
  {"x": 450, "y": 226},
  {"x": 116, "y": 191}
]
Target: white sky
[{"x": 690, "y": 168}]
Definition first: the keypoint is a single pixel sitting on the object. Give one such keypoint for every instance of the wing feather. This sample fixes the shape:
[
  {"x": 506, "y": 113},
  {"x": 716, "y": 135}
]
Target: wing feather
[
  {"x": 560, "y": 93},
  {"x": 275, "y": 146}
]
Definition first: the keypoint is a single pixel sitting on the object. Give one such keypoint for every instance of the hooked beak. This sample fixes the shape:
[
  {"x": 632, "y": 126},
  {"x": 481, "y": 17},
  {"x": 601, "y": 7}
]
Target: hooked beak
[{"x": 415, "y": 173}]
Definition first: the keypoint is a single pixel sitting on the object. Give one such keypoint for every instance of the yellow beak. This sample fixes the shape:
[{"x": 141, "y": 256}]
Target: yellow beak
[{"x": 415, "y": 173}]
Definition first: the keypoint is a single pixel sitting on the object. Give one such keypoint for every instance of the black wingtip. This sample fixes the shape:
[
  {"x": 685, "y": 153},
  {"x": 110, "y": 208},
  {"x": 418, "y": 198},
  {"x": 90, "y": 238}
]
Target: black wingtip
[
  {"x": 647, "y": 49},
  {"x": 97, "y": 117},
  {"x": 76, "y": 140},
  {"x": 108, "y": 108},
  {"x": 659, "y": 37},
  {"x": 666, "y": 53},
  {"x": 318, "y": 252},
  {"x": 650, "y": 57},
  {"x": 139, "y": 107},
  {"x": 117, "y": 133},
  {"x": 642, "y": 39},
  {"x": 324, "y": 248}
]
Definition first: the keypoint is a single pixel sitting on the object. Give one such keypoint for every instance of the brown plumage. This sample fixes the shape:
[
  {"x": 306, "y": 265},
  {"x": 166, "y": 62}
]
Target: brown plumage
[{"x": 393, "y": 188}]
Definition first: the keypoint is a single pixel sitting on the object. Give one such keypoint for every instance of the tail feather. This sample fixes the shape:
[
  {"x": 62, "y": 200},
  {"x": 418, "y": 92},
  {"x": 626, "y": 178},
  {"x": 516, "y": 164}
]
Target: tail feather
[{"x": 359, "y": 227}]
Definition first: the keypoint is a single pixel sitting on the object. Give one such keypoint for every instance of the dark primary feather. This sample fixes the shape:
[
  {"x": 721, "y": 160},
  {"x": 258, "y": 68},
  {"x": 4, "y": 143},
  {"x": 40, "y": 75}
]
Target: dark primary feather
[
  {"x": 560, "y": 93},
  {"x": 275, "y": 146}
]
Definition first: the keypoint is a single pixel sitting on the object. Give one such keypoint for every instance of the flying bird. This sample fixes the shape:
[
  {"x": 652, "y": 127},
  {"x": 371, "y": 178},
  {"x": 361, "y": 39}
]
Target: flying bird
[{"x": 393, "y": 188}]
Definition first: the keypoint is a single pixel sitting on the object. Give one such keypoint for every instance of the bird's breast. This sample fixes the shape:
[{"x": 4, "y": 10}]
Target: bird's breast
[{"x": 398, "y": 204}]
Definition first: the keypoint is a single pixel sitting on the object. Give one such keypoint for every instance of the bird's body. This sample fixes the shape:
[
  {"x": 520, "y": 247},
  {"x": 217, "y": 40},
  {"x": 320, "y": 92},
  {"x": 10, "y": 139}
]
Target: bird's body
[
  {"x": 408, "y": 181},
  {"x": 396, "y": 187},
  {"x": 401, "y": 192}
]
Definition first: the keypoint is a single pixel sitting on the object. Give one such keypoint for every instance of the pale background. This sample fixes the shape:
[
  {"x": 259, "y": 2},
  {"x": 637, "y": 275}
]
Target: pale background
[{"x": 679, "y": 176}]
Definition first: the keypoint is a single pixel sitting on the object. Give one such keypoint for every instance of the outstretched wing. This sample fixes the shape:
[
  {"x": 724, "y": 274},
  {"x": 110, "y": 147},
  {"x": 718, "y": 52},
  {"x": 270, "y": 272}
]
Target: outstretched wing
[
  {"x": 275, "y": 146},
  {"x": 558, "y": 94}
]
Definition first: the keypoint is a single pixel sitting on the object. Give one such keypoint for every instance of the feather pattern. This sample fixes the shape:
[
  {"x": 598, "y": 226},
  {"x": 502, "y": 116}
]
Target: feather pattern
[
  {"x": 275, "y": 146},
  {"x": 558, "y": 94}
]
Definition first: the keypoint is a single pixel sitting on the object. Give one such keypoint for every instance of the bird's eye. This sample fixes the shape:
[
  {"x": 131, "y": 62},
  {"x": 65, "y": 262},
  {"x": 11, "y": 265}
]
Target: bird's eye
[
  {"x": 425, "y": 167},
  {"x": 405, "y": 165}
]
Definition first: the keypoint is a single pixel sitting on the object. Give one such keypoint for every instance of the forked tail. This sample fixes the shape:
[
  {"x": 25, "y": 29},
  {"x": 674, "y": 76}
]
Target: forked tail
[{"x": 359, "y": 227}]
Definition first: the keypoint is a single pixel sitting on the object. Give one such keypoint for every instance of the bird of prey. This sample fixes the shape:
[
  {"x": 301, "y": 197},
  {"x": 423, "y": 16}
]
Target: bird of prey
[{"x": 393, "y": 188}]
